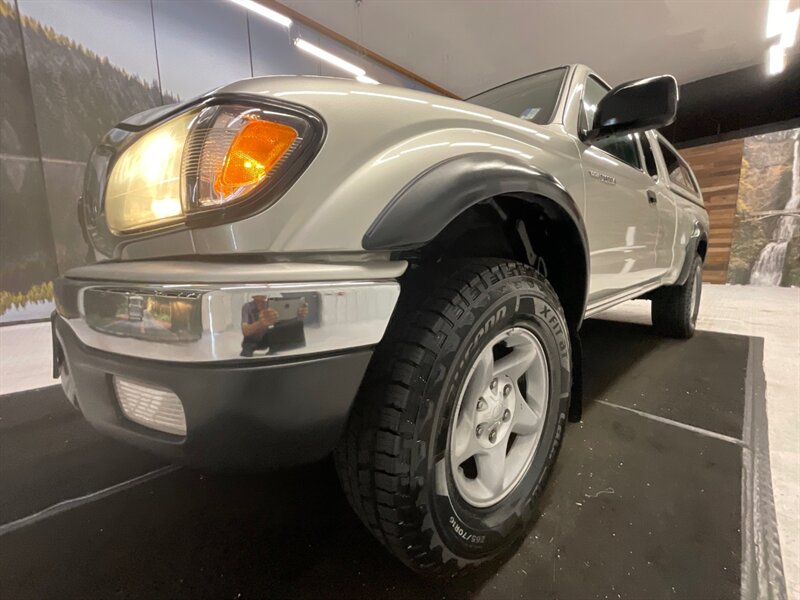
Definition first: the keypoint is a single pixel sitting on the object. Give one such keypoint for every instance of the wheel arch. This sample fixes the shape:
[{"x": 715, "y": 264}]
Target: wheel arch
[{"x": 487, "y": 190}]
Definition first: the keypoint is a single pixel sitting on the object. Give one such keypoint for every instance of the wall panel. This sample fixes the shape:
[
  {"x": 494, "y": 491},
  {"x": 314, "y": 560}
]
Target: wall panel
[
  {"x": 717, "y": 169},
  {"x": 201, "y": 45},
  {"x": 274, "y": 53},
  {"x": 78, "y": 93},
  {"x": 27, "y": 254},
  {"x": 72, "y": 69}
]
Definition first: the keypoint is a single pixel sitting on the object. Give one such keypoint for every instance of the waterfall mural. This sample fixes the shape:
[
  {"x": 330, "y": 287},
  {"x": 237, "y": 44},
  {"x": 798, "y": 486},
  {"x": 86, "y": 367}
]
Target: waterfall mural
[{"x": 766, "y": 240}]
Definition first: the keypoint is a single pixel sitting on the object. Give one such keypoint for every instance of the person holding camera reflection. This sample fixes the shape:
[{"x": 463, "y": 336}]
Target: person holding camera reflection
[{"x": 259, "y": 320}]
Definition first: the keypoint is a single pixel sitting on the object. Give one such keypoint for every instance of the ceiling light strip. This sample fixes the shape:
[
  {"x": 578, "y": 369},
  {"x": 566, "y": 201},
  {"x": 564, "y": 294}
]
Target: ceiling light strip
[
  {"x": 329, "y": 58},
  {"x": 781, "y": 24},
  {"x": 265, "y": 12}
]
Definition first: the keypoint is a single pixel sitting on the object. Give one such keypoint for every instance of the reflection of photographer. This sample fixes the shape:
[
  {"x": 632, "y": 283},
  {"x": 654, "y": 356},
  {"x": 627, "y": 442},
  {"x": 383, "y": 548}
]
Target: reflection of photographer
[{"x": 265, "y": 328}]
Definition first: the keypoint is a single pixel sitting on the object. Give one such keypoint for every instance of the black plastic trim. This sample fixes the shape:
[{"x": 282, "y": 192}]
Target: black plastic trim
[
  {"x": 424, "y": 207},
  {"x": 237, "y": 415},
  {"x": 691, "y": 249}
]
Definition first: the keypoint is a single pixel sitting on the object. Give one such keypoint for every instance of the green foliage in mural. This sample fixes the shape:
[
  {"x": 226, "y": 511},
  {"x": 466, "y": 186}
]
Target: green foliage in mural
[
  {"x": 78, "y": 94},
  {"x": 38, "y": 293}
]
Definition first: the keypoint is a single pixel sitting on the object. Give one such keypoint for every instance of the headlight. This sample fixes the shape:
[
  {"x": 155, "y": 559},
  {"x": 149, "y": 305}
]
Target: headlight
[
  {"x": 145, "y": 185},
  {"x": 203, "y": 160}
]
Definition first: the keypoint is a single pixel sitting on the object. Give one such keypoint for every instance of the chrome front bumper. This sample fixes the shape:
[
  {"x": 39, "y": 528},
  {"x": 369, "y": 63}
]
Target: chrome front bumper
[{"x": 188, "y": 322}]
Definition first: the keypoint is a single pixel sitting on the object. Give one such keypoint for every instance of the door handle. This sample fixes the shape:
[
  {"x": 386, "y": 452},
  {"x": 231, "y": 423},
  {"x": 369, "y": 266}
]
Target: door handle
[{"x": 651, "y": 197}]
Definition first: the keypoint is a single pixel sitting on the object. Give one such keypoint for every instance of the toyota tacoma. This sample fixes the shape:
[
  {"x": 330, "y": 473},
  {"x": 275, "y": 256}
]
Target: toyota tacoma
[{"x": 289, "y": 267}]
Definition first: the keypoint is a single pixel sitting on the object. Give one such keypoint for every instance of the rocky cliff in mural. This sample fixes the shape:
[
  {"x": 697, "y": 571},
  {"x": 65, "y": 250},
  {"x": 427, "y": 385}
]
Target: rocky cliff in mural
[{"x": 766, "y": 241}]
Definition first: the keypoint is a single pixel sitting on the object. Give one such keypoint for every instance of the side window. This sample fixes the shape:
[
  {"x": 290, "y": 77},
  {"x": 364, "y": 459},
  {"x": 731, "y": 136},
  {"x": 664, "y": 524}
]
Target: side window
[
  {"x": 649, "y": 157},
  {"x": 623, "y": 147},
  {"x": 676, "y": 170},
  {"x": 592, "y": 94},
  {"x": 687, "y": 175}
]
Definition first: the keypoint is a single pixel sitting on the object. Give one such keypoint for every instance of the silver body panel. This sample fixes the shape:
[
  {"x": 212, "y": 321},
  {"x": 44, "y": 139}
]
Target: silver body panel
[
  {"x": 194, "y": 272},
  {"x": 378, "y": 140}
]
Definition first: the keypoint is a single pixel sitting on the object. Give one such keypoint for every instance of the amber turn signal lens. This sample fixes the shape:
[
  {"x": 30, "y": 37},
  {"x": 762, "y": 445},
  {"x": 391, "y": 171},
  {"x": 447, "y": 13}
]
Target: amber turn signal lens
[{"x": 255, "y": 150}]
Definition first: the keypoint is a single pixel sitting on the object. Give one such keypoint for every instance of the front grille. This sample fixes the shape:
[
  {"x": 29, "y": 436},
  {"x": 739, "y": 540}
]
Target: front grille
[{"x": 153, "y": 407}]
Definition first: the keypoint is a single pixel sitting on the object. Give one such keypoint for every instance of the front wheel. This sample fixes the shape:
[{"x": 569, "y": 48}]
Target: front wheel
[
  {"x": 461, "y": 415},
  {"x": 674, "y": 309}
]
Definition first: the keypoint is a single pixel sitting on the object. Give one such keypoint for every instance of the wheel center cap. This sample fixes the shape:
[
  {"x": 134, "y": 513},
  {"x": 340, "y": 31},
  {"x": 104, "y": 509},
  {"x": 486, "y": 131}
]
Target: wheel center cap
[{"x": 497, "y": 410}]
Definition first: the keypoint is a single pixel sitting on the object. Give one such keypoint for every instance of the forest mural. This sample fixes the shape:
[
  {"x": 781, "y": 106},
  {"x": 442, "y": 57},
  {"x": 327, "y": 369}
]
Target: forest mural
[
  {"x": 766, "y": 240},
  {"x": 70, "y": 70}
]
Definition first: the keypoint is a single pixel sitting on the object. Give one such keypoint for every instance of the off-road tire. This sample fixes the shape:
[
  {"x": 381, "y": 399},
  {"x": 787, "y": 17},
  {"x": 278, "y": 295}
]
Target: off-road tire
[
  {"x": 390, "y": 460},
  {"x": 674, "y": 308}
]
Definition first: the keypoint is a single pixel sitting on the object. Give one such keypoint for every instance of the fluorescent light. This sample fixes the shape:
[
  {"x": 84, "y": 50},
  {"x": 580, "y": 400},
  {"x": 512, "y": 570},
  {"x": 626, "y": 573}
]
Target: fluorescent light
[
  {"x": 789, "y": 34},
  {"x": 776, "y": 13},
  {"x": 265, "y": 12},
  {"x": 365, "y": 79},
  {"x": 776, "y": 61},
  {"x": 329, "y": 58}
]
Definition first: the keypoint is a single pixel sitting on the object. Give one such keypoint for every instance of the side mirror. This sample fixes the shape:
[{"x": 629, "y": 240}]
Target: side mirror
[{"x": 635, "y": 106}]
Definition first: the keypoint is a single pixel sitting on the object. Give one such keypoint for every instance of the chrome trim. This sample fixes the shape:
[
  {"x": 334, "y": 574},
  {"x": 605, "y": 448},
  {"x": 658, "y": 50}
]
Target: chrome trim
[{"x": 204, "y": 323}]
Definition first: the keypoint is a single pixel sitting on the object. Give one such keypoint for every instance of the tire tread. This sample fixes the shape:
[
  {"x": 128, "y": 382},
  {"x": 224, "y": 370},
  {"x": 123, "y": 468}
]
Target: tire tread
[
  {"x": 373, "y": 459},
  {"x": 670, "y": 310}
]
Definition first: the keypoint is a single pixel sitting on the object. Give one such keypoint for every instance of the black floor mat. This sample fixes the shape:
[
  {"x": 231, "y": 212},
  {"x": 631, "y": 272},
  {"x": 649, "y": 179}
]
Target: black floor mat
[
  {"x": 699, "y": 381},
  {"x": 48, "y": 454},
  {"x": 637, "y": 508}
]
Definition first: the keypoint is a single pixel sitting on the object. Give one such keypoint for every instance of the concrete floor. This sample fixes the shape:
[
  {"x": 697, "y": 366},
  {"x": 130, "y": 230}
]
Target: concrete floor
[
  {"x": 774, "y": 314},
  {"x": 771, "y": 313}
]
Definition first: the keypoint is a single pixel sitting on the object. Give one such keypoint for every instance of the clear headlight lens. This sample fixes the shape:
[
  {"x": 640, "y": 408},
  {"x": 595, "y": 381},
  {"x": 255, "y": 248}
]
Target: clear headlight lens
[
  {"x": 145, "y": 184},
  {"x": 199, "y": 161}
]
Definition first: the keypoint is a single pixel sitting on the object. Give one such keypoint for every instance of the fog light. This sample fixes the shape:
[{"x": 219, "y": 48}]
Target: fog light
[{"x": 153, "y": 407}]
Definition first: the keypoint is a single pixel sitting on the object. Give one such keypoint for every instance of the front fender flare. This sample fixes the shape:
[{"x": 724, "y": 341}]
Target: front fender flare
[
  {"x": 433, "y": 199},
  {"x": 427, "y": 204}
]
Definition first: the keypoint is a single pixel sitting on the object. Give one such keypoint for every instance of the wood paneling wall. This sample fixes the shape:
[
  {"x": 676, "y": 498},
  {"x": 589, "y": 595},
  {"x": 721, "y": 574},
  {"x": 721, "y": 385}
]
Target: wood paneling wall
[{"x": 717, "y": 169}]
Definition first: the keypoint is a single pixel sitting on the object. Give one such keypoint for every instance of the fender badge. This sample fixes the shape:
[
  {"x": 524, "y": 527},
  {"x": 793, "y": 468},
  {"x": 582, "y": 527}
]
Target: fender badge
[{"x": 603, "y": 177}]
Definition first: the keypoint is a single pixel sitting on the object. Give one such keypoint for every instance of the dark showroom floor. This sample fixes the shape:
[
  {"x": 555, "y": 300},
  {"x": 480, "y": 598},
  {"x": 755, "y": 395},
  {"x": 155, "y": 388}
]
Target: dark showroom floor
[{"x": 645, "y": 500}]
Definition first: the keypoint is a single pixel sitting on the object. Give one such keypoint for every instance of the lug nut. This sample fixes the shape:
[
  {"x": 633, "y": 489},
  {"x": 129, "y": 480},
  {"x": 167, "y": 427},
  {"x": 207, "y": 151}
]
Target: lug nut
[
  {"x": 507, "y": 389},
  {"x": 481, "y": 404},
  {"x": 479, "y": 430},
  {"x": 493, "y": 385},
  {"x": 493, "y": 436},
  {"x": 506, "y": 415}
]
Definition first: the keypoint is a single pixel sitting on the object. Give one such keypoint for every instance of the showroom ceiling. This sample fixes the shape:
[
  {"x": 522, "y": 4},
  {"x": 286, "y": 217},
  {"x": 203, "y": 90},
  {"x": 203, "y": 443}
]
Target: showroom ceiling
[{"x": 469, "y": 46}]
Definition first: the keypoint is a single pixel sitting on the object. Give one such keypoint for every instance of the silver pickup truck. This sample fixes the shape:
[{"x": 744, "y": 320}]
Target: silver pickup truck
[{"x": 289, "y": 267}]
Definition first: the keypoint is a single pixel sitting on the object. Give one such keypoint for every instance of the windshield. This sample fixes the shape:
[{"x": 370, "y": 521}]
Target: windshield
[{"x": 532, "y": 98}]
